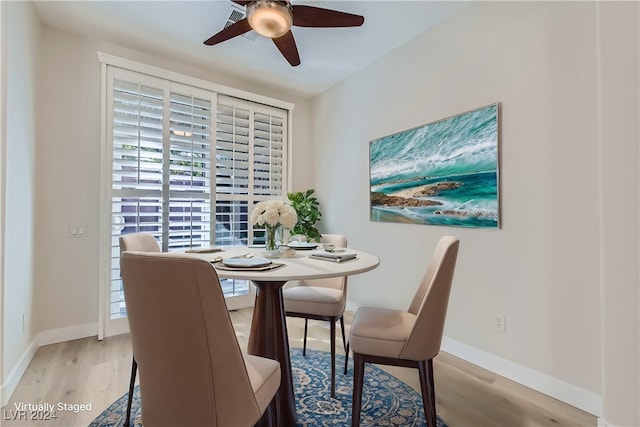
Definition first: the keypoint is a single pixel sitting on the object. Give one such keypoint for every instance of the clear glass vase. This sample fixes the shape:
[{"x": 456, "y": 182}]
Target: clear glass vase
[{"x": 271, "y": 237}]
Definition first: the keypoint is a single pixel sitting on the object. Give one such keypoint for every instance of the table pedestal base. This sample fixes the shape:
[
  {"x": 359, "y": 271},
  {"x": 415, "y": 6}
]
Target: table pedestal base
[{"x": 268, "y": 338}]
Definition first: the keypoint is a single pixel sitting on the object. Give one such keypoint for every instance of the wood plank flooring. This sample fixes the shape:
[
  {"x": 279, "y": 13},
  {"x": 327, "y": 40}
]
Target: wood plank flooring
[{"x": 88, "y": 371}]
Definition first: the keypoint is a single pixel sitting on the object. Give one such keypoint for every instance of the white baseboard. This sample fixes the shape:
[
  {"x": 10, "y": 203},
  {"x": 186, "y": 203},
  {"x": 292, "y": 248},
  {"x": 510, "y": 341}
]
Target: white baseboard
[
  {"x": 565, "y": 392},
  {"x": 54, "y": 336},
  {"x": 51, "y": 336},
  {"x": 16, "y": 373},
  {"x": 603, "y": 423}
]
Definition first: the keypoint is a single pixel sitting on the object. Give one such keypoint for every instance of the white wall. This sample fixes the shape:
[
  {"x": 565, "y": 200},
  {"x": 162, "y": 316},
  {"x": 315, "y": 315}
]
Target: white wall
[
  {"x": 20, "y": 64},
  {"x": 619, "y": 145},
  {"x": 542, "y": 269},
  {"x": 68, "y": 166},
  {"x": 3, "y": 116}
]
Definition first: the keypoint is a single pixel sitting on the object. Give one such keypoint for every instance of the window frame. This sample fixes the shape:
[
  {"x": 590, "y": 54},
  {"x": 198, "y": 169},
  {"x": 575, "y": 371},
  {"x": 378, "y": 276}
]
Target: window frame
[{"x": 108, "y": 326}]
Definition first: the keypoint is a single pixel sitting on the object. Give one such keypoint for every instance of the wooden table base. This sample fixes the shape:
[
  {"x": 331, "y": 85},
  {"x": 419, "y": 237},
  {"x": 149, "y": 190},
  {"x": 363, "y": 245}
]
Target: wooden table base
[{"x": 268, "y": 338}]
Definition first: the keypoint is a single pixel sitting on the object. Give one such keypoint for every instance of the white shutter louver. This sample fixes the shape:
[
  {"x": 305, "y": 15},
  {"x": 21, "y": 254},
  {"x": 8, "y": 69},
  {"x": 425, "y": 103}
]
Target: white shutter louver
[
  {"x": 268, "y": 164},
  {"x": 232, "y": 148},
  {"x": 137, "y": 136}
]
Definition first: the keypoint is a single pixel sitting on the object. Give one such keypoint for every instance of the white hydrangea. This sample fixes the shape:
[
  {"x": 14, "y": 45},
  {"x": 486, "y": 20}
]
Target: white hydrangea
[
  {"x": 271, "y": 217},
  {"x": 273, "y": 213},
  {"x": 256, "y": 214},
  {"x": 288, "y": 218}
]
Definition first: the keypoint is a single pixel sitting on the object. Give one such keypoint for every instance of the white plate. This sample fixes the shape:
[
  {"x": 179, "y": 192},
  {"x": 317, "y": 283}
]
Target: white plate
[
  {"x": 302, "y": 245},
  {"x": 246, "y": 262}
]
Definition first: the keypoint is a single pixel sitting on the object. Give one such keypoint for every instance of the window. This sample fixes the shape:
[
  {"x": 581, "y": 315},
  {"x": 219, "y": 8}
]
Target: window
[{"x": 186, "y": 164}]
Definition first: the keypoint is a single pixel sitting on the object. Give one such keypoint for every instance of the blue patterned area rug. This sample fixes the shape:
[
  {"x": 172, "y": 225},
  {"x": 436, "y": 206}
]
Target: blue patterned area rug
[{"x": 386, "y": 401}]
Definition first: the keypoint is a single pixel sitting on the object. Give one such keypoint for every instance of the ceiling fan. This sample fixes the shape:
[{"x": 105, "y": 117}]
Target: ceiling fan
[{"x": 274, "y": 18}]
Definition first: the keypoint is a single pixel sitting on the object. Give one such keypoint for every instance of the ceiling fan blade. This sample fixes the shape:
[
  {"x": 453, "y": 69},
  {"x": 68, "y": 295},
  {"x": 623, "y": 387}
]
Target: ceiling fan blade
[
  {"x": 287, "y": 46},
  {"x": 233, "y": 30},
  {"x": 242, "y": 2},
  {"x": 311, "y": 16}
]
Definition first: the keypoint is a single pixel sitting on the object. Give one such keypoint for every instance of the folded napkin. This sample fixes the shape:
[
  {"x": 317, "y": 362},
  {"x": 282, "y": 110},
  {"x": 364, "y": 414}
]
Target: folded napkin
[
  {"x": 203, "y": 250},
  {"x": 334, "y": 257}
]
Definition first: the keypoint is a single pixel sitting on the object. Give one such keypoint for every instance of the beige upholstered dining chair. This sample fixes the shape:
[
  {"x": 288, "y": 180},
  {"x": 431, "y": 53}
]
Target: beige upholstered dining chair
[
  {"x": 320, "y": 299},
  {"x": 140, "y": 242},
  {"x": 409, "y": 338},
  {"x": 192, "y": 371}
]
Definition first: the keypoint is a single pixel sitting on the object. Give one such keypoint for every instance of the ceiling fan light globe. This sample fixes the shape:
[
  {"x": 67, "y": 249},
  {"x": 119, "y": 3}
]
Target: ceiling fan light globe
[{"x": 269, "y": 18}]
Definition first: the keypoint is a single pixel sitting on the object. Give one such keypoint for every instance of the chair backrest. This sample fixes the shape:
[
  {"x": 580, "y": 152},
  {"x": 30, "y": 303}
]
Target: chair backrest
[
  {"x": 191, "y": 367},
  {"x": 430, "y": 302},
  {"x": 334, "y": 282},
  {"x": 337, "y": 239},
  {"x": 140, "y": 242}
]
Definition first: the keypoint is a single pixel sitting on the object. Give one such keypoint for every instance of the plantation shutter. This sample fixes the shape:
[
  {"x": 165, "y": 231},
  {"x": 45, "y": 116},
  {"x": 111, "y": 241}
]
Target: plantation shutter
[
  {"x": 137, "y": 175},
  {"x": 161, "y": 167},
  {"x": 250, "y": 148},
  {"x": 189, "y": 155},
  {"x": 268, "y": 165}
]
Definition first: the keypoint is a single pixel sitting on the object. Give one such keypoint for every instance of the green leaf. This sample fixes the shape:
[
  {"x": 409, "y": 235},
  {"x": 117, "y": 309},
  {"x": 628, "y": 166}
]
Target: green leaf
[{"x": 307, "y": 208}]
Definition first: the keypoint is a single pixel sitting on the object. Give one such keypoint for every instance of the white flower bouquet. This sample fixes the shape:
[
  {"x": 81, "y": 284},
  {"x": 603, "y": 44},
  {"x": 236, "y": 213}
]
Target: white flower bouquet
[{"x": 272, "y": 214}]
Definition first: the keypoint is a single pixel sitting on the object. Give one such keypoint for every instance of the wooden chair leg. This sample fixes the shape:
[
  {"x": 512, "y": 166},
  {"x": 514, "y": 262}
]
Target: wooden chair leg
[
  {"x": 132, "y": 383},
  {"x": 428, "y": 391},
  {"x": 344, "y": 341},
  {"x": 332, "y": 329},
  {"x": 346, "y": 358},
  {"x": 304, "y": 345},
  {"x": 432, "y": 391},
  {"x": 358, "y": 381}
]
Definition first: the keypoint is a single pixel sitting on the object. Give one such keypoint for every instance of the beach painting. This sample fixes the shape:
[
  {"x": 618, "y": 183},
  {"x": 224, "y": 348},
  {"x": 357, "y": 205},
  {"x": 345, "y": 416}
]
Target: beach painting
[{"x": 441, "y": 173}]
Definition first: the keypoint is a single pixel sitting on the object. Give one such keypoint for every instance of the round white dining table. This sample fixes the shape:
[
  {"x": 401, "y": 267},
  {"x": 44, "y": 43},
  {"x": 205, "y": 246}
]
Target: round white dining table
[{"x": 268, "y": 337}]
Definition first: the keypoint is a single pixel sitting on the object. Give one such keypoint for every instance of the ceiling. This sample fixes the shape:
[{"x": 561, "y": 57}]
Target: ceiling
[{"x": 177, "y": 30}]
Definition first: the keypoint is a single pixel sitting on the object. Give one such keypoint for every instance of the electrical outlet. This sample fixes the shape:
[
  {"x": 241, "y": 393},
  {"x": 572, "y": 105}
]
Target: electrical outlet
[{"x": 499, "y": 323}]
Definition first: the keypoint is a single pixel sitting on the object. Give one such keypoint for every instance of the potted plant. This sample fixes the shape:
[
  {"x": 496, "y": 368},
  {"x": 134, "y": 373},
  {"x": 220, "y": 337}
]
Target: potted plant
[{"x": 306, "y": 206}]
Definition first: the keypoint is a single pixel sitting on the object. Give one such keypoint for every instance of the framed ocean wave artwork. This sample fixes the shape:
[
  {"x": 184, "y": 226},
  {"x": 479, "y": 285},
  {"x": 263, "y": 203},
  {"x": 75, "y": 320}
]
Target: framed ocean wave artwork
[{"x": 442, "y": 173}]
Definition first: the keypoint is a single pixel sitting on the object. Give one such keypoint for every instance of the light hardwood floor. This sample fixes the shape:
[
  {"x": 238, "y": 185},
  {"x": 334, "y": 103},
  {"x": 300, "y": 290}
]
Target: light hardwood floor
[{"x": 88, "y": 371}]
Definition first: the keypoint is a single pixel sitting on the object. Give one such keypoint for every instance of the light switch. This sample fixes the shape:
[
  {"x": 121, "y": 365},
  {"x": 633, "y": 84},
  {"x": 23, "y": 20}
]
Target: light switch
[{"x": 76, "y": 230}]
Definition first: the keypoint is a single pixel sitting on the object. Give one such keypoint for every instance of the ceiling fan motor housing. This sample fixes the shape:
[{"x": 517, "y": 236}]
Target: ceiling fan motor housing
[{"x": 270, "y": 18}]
